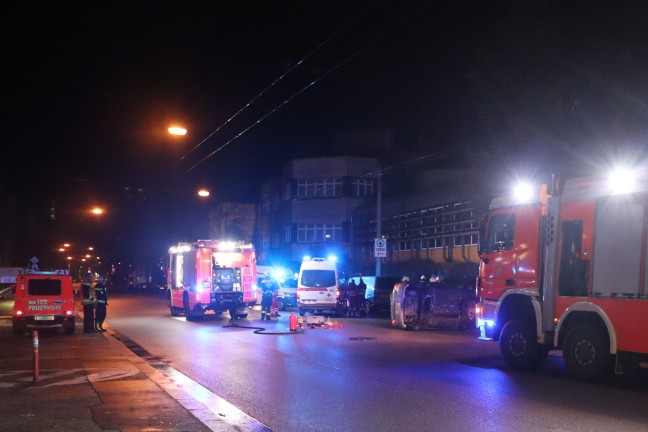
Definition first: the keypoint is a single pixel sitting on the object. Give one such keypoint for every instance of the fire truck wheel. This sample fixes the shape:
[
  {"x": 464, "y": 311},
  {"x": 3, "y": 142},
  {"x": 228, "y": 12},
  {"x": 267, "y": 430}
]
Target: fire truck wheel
[
  {"x": 187, "y": 310},
  {"x": 519, "y": 347},
  {"x": 174, "y": 310},
  {"x": 586, "y": 351},
  {"x": 69, "y": 329}
]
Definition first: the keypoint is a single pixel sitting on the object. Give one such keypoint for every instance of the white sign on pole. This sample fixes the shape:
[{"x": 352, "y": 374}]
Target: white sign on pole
[{"x": 380, "y": 248}]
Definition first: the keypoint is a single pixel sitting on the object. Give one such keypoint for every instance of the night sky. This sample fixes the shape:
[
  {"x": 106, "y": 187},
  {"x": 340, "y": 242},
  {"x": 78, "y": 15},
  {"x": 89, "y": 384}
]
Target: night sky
[{"x": 501, "y": 87}]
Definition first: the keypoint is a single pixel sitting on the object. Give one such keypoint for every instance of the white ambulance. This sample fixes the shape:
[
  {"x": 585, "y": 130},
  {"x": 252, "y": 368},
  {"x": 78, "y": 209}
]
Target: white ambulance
[{"x": 318, "y": 288}]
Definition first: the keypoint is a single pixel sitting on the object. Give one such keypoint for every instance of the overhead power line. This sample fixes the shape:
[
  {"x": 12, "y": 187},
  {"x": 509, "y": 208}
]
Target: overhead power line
[{"x": 309, "y": 85}]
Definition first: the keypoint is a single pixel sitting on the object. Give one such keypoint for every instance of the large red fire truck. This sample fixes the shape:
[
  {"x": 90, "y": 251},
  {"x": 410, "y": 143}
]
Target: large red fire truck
[
  {"x": 211, "y": 275},
  {"x": 567, "y": 269}
]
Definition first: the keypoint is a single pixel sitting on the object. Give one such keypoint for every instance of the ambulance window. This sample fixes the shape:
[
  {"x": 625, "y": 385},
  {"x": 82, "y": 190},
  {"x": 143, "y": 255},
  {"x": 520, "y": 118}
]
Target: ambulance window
[
  {"x": 318, "y": 278},
  {"x": 44, "y": 287},
  {"x": 500, "y": 234}
]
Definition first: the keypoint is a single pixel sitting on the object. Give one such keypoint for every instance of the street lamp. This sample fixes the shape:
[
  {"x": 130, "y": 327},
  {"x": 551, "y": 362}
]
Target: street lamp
[{"x": 177, "y": 130}]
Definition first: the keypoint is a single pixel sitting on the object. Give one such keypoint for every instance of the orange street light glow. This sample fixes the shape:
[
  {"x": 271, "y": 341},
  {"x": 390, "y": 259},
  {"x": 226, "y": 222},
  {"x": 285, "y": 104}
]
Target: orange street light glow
[
  {"x": 203, "y": 193},
  {"x": 97, "y": 211},
  {"x": 176, "y": 130}
]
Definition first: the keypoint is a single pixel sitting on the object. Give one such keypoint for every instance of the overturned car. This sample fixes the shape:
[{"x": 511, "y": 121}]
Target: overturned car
[{"x": 429, "y": 305}]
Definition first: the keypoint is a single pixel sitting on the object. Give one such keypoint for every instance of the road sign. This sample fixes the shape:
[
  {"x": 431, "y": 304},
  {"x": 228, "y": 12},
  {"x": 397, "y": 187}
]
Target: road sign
[{"x": 380, "y": 248}]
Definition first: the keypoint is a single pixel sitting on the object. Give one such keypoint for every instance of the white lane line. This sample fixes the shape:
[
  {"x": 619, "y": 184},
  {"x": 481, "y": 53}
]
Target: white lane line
[{"x": 219, "y": 415}]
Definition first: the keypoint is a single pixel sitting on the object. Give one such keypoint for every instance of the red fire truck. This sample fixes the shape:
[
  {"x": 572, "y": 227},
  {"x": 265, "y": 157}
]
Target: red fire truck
[
  {"x": 211, "y": 275},
  {"x": 567, "y": 269},
  {"x": 43, "y": 299}
]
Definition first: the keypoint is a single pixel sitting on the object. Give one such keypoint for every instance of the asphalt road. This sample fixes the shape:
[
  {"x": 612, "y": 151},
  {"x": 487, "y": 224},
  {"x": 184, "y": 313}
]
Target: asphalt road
[{"x": 366, "y": 376}]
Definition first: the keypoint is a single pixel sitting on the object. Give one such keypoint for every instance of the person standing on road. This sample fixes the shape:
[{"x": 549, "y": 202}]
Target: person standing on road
[
  {"x": 102, "y": 303},
  {"x": 88, "y": 302},
  {"x": 352, "y": 298},
  {"x": 269, "y": 288},
  {"x": 362, "y": 289}
]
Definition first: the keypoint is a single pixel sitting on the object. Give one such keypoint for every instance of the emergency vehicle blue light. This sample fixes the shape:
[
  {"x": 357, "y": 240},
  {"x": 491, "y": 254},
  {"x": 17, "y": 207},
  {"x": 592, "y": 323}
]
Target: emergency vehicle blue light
[
  {"x": 488, "y": 323},
  {"x": 199, "y": 288},
  {"x": 332, "y": 258},
  {"x": 306, "y": 258}
]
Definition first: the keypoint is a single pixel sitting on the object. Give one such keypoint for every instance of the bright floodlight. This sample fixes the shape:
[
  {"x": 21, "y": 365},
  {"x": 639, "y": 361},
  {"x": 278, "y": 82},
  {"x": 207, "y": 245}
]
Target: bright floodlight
[
  {"x": 177, "y": 130},
  {"x": 523, "y": 193},
  {"x": 622, "y": 180}
]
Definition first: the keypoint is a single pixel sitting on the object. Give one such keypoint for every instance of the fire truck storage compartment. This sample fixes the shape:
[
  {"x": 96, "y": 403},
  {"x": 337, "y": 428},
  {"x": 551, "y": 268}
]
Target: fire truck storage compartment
[{"x": 617, "y": 245}]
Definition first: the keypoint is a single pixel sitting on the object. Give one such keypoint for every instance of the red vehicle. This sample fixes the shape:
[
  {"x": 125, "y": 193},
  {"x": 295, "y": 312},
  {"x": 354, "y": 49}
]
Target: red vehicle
[
  {"x": 211, "y": 275},
  {"x": 43, "y": 299},
  {"x": 568, "y": 270}
]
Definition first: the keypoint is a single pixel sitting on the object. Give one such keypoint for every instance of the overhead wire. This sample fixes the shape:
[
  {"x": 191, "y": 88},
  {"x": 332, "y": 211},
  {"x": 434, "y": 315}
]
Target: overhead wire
[
  {"x": 311, "y": 84},
  {"x": 278, "y": 79}
]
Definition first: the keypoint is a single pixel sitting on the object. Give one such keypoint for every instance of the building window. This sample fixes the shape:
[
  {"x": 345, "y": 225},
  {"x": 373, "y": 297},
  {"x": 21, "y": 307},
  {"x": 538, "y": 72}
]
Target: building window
[
  {"x": 266, "y": 206},
  {"x": 363, "y": 187},
  {"x": 322, "y": 188},
  {"x": 436, "y": 243},
  {"x": 319, "y": 233},
  {"x": 287, "y": 234},
  {"x": 266, "y": 243},
  {"x": 287, "y": 191},
  {"x": 471, "y": 239}
]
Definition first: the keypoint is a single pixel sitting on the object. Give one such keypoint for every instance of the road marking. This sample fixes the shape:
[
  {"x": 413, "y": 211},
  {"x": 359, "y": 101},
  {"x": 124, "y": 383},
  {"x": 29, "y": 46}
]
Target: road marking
[{"x": 219, "y": 410}]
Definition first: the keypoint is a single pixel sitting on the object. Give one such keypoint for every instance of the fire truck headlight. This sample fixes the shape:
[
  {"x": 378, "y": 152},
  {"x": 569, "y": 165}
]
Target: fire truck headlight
[
  {"x": 18, "y": 312},
  {"x": 68, "y": 312},
  {"x": 523, "y": 193},
  {"x": 622, "y": 180}
]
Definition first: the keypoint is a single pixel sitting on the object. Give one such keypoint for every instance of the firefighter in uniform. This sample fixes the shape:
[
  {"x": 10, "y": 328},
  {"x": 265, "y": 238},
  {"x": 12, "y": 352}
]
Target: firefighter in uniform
[
  {"x": 102, "y": 303},
  {"x": 88, "y": 302},
  {"x": 352, "y": 298},
  {"x": 269, "y": 294},
  {"x": 362, "y": 289}
]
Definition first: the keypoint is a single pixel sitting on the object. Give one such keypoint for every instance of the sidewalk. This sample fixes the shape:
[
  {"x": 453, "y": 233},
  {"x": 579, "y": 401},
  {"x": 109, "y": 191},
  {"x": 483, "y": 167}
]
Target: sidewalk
[{"x": 89, "y": 382}]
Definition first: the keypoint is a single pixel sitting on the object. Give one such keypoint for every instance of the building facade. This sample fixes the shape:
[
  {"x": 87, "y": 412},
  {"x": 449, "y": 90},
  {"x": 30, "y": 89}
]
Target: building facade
[{"x": 308, "y": 210}]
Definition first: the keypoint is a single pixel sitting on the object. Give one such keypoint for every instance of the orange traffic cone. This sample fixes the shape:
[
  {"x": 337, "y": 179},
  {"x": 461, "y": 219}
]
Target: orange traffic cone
[{"x": 292, "y": 321}]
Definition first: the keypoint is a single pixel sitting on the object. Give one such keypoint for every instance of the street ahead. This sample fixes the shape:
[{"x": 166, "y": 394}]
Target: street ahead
[{"x": 367, "y": 376}]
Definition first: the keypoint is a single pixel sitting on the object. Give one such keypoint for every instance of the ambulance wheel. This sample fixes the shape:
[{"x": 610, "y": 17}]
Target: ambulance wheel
[
  {"x": 302, "y": 312},
  {"x": 587, "y": 352},
  {"x": 519, "y": 346}
]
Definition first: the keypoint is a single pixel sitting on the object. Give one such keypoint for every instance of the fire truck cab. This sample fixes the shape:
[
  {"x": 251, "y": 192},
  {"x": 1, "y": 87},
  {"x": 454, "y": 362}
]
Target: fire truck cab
[
  {"x": 211, "y": 275},
  {"x": 567, "y": 269},
  {"x": 43, "y": 299}
]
